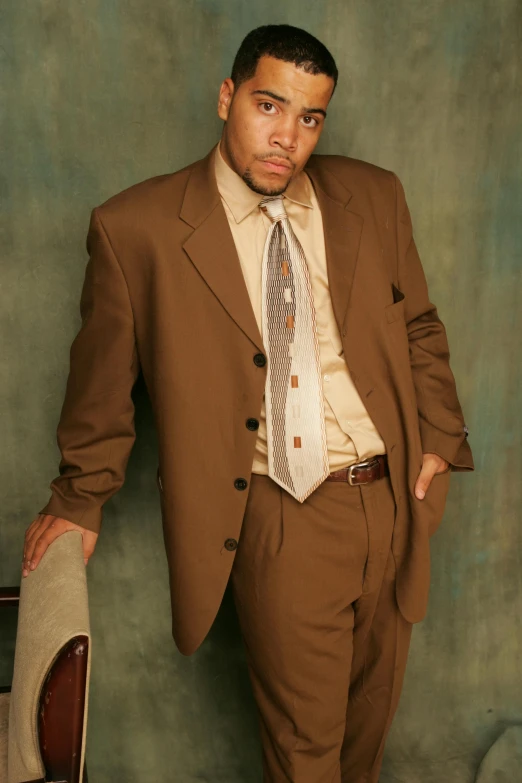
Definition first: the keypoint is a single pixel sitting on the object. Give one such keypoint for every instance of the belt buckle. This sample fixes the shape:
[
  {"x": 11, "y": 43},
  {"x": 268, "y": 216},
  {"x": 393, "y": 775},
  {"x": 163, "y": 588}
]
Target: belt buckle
[{"x": 362, "y": 464}]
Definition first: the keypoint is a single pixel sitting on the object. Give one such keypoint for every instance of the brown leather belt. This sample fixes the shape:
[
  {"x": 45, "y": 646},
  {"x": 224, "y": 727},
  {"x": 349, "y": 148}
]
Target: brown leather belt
[{"x": 362, "y": 472}]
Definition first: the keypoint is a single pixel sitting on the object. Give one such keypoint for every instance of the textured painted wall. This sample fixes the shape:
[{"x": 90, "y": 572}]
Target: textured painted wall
[{"x": 95, "y": 96}]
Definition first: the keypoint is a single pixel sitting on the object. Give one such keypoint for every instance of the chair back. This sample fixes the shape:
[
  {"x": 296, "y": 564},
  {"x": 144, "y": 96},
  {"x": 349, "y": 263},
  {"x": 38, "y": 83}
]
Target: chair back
[{"x": 53, "y": 612}]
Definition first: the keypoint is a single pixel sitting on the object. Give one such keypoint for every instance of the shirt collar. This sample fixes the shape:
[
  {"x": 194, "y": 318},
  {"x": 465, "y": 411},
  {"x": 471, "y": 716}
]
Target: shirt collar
[{"x": 241, "y": 200}]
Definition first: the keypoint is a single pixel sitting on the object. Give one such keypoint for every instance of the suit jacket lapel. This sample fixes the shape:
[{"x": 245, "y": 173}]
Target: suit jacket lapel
[
  {"x": 212, "y": 250},
  {"x": 342, "y": 234}
]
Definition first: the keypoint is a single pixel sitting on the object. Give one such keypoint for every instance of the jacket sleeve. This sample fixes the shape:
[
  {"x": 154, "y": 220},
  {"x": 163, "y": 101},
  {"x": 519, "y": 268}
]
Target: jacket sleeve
[
  {"x": 441, "y": 422},
  {"x": 96, "y": 432}
]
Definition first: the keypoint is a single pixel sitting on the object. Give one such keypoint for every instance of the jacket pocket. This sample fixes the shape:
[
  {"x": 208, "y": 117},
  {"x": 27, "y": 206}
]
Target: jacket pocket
[
  {"x": 398, "y": 295},
  {"x": 395, "y": 310},
  {"x": 431, "y": 508}
]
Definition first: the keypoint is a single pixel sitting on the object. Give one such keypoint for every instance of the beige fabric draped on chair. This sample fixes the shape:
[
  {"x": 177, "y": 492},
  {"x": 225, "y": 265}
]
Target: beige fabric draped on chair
[{"x": 53, "y": 628}]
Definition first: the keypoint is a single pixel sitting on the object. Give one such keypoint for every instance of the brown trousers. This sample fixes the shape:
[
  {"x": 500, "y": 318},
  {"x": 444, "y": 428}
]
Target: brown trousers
[{"x": 326, "y": 645}]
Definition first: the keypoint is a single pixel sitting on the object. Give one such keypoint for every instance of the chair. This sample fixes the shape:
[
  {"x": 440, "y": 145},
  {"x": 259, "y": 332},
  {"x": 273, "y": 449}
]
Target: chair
[{"x": 43, "y": 715}]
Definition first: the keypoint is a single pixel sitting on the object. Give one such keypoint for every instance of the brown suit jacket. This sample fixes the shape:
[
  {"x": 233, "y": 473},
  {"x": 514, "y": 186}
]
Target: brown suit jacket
[{"x": 164, "y": 292}]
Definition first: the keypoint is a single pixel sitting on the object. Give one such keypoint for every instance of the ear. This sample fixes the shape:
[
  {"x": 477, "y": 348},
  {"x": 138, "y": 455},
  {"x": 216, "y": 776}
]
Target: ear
[{"x": 226, "y": 93}]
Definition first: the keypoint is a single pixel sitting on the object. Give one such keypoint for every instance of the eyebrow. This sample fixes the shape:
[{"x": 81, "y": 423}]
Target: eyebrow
[{"x": 286, "y": 101}]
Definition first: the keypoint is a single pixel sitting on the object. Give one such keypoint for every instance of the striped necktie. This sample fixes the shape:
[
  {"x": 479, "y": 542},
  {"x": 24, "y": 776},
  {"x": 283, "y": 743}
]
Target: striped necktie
[{"x": 296, "y": 432}]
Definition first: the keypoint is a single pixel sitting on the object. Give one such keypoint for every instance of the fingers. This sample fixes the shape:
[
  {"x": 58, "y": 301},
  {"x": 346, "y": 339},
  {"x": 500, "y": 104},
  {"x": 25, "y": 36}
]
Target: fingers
[
  {"x": 89, "y": 542},
  {"x": 30, "y": 537},
  {"x": 423, "y": 482},
  {"x": 33, "y": 526},
  {"x": 430, "y": 465},
  {"x": 43, "y": 531},
  {"x": 38, "y": 539}
]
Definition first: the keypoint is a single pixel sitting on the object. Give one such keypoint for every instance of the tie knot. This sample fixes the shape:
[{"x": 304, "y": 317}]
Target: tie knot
[{"x": 273, "y": 207}]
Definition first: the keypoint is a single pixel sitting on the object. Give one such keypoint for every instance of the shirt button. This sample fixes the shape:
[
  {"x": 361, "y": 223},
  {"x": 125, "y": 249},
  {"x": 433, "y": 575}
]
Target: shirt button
[
  {"x": 240, "y": 483},
  {"x": 259, "y": 360},
  {"x": 252, "y": 424},
  {"x": 327, "y": 377},
  {"x": 231, "y": 544}
]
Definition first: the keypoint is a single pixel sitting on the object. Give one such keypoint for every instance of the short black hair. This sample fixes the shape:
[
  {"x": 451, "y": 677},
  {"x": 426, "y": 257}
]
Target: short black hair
[{"x": 284, "y": 42}]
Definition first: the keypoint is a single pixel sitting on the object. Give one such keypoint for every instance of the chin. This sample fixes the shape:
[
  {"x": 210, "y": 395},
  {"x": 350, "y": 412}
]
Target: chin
[
  {"x": 271, "y": 185},
  {"x": 268, "y": 189}
]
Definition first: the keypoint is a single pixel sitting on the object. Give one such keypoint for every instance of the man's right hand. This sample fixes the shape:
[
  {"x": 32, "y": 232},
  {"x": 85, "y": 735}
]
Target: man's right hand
[{"x": 43, "y": 531}]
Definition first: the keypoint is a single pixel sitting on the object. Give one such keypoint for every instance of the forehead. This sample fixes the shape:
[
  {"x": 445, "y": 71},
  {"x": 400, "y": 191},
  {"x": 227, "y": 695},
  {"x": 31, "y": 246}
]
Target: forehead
[{"x": 291, "y": 82}]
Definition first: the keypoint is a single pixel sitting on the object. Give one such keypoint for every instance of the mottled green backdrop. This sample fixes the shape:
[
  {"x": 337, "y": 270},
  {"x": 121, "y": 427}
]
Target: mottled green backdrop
[{"x": 97, "y": 95}]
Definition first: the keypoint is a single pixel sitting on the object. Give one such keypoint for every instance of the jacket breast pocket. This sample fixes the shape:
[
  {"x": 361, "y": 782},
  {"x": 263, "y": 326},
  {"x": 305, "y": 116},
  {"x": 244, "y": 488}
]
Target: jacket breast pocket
[{"x": 395, "y": 310}]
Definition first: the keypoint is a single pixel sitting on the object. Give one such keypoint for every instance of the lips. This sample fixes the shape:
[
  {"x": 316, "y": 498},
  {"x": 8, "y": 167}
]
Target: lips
[{"x": 276, "y": 165}]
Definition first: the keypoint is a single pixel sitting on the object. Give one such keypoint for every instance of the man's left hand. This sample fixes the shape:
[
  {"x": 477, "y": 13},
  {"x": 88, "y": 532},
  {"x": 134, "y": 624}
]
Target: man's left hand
[{"x": 431, "y": 464}]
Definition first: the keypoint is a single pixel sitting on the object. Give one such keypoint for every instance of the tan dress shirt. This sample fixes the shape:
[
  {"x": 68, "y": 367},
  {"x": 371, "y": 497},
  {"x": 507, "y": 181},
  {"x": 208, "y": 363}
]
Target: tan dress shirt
[{"x": 350, "y": 433}]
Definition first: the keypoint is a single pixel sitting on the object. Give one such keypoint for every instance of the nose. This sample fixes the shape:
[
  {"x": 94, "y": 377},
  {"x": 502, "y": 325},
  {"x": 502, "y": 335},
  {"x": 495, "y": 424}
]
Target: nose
[{"x": 286, "y": 134}]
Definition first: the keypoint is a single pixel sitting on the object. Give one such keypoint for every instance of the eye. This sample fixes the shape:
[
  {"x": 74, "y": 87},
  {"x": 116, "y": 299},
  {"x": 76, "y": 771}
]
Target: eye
[
  {"x": 266, "y": 103},
  {"x": 316, "y": 121}
]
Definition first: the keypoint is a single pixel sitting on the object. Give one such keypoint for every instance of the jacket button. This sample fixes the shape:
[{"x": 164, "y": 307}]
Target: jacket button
[
  {"x": 240, "y": 483},
  {"x": 252, "y": 424},
  {"x": 231, "y": 544},
  {"x": 259, "y": 360}
]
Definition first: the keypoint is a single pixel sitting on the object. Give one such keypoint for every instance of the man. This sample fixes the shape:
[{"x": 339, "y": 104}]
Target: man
[{"x": 307, "y": 415}]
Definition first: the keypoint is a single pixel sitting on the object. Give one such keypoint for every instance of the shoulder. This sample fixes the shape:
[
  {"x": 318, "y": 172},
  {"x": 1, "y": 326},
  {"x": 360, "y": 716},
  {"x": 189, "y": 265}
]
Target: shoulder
[
  {"x": 355, "y": 174},
  {"x": 151, "y": 196}
]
